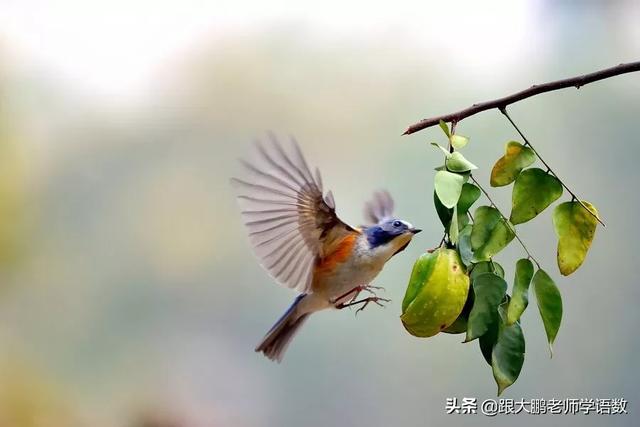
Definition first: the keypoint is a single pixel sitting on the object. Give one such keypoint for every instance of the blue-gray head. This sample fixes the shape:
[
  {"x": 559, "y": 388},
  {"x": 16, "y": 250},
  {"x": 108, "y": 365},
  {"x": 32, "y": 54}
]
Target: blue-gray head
[{"x": 390, "y": 231}]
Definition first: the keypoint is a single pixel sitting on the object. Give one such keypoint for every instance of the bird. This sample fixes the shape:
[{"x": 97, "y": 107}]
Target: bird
[{"x": 299, "y": 239}]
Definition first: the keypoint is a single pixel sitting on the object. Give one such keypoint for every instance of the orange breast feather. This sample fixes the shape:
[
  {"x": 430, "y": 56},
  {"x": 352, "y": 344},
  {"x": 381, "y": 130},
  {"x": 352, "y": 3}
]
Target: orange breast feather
[{"x": 341, "y": 251}]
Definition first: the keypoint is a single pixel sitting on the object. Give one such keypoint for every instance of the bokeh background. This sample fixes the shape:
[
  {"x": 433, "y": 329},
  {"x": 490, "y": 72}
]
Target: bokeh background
[{"x": 129, "y": 294}]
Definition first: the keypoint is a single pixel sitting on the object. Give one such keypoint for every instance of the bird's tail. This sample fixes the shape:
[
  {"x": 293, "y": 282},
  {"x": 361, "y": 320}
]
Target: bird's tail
[{"x": 276, "y": 341}]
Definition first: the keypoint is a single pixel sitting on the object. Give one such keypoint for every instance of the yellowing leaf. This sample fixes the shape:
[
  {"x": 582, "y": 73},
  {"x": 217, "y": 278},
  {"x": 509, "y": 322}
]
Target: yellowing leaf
[
  {"x": 575, "y": 228},
  {"x": 507, "y": 168},
  {"x": 458, "y": 141}
]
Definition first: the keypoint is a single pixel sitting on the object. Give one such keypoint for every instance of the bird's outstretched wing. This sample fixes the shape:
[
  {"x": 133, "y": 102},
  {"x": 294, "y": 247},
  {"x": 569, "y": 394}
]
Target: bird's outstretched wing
[
  {"x": 379, "y": 207},
  {"x": 291, "y": 222}
]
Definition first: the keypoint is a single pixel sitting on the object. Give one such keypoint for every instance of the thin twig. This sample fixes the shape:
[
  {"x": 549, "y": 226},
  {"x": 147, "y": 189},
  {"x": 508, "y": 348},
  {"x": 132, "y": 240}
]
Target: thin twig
[
  {"x": 506, "y": 221},
  {"x": 526, "y": 142},
  {"x": 534, "y": 90}
]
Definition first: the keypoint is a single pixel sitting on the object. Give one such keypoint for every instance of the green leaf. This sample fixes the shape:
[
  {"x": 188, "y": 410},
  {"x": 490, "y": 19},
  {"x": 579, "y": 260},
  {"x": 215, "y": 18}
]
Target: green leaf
[
  {"x": 507, "y": 356},
  {"x": 575, "y": 228},
  {"x": 445, "y": 128},
  {"x": 446, "y": 152},
  {"x": 444, "y": 213},
  {"x": 488, "y": 340},
  {"x": 464, "y": 245},
  {"x": 453, "y": 230},
  {"x": 533, "y": 192},
  {"x": 463, "y": 220},
  {"x": 487, "y": 267},
  {"x": 489, "y": 289},
  {"x": 520, "y": 297},
  {"x": 456, "y": 162},
  {"x": 508, "y": 167},
  {"x": 470, "y": 194},
  {"x": 458, "y": 141},
  {"x": 490, "y": 234},
  {"x": 485, "y": 220},
  {"x": 549, "y": 304},
  {"x": 448, "y": 187}
]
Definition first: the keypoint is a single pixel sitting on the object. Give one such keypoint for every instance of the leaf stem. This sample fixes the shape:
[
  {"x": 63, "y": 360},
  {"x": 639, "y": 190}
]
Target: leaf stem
[
  {"x": 505, "y": 220},
  {"x": 503, "y": 110}
]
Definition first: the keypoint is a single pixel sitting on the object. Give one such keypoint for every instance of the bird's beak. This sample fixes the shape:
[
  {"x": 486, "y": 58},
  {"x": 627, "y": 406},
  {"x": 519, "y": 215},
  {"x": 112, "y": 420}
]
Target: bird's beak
[{"x": 415, "y": 230}]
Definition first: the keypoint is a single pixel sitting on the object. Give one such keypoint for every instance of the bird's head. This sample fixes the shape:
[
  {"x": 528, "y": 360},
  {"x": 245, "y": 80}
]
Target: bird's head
[{"x": 391, "y": 235}]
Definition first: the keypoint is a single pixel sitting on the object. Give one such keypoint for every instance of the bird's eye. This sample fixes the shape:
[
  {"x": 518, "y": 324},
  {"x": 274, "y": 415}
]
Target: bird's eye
[{"x": 397, "y": 224}]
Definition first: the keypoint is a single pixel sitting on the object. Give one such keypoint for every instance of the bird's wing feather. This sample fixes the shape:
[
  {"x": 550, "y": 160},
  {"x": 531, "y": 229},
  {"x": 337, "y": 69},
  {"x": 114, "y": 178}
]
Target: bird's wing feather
[
  {"x": 379, "y": 207},
  {"x": 291, "y": 223}
]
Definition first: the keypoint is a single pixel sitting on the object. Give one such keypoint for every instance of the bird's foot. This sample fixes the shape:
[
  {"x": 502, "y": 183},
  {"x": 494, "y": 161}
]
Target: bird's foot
[
  {"x": 375, "y": 299},
  {"x": 355, "y": 292},
  {"x": 365, "y": 302}
]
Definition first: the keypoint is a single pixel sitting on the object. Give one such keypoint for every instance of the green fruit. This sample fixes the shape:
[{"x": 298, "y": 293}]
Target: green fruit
[
  {"x": 459, "y": 326},
  {"x": 436, "y": 294}
]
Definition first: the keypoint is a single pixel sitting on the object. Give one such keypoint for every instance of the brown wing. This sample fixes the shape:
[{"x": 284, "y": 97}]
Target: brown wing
[
  {"x": 379, "y": 207},
  {"x": 290, "y": 221}
]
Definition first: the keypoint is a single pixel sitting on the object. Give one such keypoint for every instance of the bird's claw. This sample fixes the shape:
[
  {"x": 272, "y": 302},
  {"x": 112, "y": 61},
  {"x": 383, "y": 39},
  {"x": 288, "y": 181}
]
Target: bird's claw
[
  {"x": 369, "y": 288},
  {"x": 365, "y": 302},
  {"x": 375, "y": 299}
]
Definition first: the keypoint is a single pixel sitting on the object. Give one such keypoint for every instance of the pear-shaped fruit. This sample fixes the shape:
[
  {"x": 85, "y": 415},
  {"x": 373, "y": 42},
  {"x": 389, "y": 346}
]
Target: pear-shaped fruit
[{"x": 436, "y": 294}]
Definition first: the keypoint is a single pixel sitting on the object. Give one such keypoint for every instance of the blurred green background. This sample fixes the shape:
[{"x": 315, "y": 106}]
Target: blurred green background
[{"x": 129, "y": 293}]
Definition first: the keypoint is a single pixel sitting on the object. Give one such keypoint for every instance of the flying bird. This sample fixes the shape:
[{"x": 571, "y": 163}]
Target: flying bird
[{"x": 301, "y": 242}]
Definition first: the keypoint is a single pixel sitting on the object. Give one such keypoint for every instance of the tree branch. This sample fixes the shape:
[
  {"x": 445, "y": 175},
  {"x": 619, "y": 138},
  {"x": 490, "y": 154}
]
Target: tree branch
[{"x": 501, "y": 103}]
